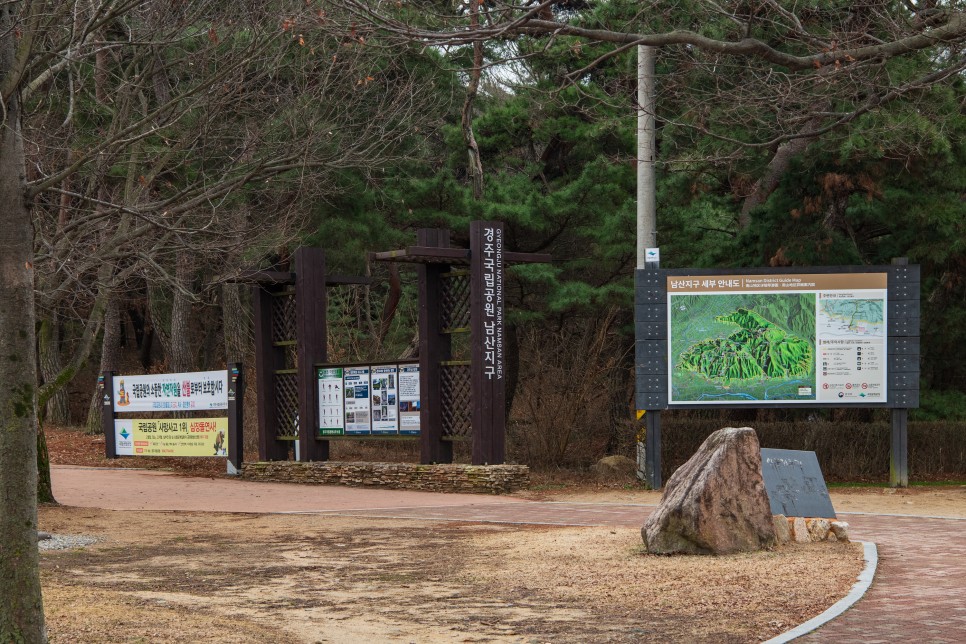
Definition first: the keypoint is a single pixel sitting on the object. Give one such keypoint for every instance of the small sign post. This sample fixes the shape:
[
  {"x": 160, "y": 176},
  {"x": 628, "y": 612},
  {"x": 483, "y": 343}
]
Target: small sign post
[
  {"x": 795, "y": 485},
  {"x": 198, "y": 391},
  {"x": 106, "y": 385}
]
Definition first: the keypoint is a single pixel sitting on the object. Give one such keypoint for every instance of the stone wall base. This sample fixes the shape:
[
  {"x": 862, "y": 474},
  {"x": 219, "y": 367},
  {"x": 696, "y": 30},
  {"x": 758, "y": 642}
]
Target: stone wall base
[{"x": 481, "y": 479}]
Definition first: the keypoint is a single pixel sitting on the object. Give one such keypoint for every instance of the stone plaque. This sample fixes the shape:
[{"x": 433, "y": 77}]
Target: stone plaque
[{"x": 794, "y": 483}]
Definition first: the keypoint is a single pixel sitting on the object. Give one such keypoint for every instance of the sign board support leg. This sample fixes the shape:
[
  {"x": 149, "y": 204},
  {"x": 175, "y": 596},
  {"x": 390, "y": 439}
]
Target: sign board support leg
[
  {"x": 652, "y": 447},
  {"x": 899, "y": 458},
  {"x": 236, "y": 417},
  {"x": 107, "y": 414}
]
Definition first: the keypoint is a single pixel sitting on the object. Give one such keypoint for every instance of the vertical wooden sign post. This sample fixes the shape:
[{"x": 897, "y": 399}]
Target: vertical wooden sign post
[
  {"x": 268, "y": 360},
  {"x": 435, "y": 347},
  {"x": 311, "y": 302},
  {"x": 488, "y": 375}
]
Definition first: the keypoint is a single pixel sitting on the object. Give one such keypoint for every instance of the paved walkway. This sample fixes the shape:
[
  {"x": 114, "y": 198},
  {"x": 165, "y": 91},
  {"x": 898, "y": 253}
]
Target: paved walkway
[{"x": 919, "y": 592}]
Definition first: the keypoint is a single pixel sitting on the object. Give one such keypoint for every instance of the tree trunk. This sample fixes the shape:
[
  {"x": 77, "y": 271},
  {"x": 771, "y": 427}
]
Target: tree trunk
[
  {"x": 235, "y": 323},
  {"x": 21, "y": 603},
  {"x": 48, "y": 340},
  {"x": 474, "y": 164},
  {"x": 179, "y": 356},
  {"x": 45, "y": 489},
  {"x": 776, "y": 169},
  {"x": 110, "y": 360}
]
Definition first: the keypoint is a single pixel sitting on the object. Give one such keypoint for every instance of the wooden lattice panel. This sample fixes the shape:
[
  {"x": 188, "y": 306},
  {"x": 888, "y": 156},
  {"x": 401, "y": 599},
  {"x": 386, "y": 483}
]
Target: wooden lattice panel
[
  {"x": 454, "y": 300},
  {"x": 287, "y": 404},
  {"x": 284, "y": 327},
  {"x": 457, "y": 402}
]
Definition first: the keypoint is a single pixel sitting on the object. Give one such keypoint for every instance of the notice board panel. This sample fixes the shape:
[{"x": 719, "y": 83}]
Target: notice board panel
[
  {"x": 827, "y": 336},
  {"x": 368, "y": 399}
]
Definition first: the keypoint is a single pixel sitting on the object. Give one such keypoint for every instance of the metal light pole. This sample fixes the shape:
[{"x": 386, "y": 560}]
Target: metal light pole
[
  {"x": 646, "y": 154},
  {"x": 648, "y": 453}
]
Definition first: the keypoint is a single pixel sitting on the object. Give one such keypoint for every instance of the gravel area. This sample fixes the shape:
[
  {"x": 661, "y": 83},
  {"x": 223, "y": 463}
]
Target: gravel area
[{"x": 49, "y": 541}]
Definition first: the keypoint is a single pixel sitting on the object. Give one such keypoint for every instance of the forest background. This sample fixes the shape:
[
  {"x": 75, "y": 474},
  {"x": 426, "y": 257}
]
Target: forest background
[
  {"x": 158, "y": 173},
  {"x": 151, "y": 152}
]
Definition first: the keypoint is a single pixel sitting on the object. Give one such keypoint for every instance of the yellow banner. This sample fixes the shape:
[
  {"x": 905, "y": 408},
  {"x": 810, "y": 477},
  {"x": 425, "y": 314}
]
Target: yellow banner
[{"x": 172, "y": 437}]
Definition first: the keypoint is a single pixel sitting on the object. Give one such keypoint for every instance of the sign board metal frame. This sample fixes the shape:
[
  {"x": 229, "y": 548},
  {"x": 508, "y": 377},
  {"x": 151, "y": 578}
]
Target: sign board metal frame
[{"x": 652, "y": 366}]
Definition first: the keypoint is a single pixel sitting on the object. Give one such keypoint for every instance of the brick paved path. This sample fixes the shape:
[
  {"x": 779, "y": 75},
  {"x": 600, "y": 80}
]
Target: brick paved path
[{"x": 919, "y": 592}]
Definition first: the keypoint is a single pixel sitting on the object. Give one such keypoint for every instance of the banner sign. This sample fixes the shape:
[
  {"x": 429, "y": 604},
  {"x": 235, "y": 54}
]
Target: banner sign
[
  {"x": 806, "y": 338},
  {"x": 364, "y": 400},
  {"x": 357, "y": 405},
  {"x": 171, "y": 391},
  {"x": 171, "y": 437},
  {"x": 331, "y": 402},
  {"x": 385, "y": 406},
  {"x": 409, "y": 407}
]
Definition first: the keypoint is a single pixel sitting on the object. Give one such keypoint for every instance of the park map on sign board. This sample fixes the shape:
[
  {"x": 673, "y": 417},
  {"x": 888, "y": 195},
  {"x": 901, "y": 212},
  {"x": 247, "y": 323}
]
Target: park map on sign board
[{"x": 777, "y": 338}]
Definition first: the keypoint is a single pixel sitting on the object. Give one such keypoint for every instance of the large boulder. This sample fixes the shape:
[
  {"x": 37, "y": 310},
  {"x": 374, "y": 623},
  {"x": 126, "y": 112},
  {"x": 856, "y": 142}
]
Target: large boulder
[{"x": 716, "y": 502}]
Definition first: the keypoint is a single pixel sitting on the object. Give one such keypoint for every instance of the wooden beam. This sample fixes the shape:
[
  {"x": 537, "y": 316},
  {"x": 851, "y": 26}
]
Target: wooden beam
[
  {"x": 526, "y": 258},
  {"x": 340, "y": 280},
  {"x": 426, "y": 255},
  {"x": 310, "y": 313},
  {"x": 434, "y": 348},
  {"x": 267, "y": 359},
  {"x": 269, "y": 278}
]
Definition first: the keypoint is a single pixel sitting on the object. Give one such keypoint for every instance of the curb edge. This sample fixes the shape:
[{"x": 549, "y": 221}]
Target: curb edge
[{"x": 871, "y": 555}]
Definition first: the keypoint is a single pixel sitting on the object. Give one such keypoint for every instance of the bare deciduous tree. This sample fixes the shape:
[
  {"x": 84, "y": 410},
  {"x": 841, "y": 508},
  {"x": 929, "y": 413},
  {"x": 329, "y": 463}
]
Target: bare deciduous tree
[{"x": 167, "y": 145}]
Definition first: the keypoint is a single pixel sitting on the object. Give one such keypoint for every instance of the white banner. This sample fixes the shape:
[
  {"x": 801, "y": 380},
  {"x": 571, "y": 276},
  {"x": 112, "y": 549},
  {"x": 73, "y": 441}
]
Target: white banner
[{"x": 171, "y": 391}]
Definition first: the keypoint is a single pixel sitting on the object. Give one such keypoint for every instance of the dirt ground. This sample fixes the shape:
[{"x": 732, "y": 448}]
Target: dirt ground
[
  {"x": 218, "y": 577},
  {"x": 187, "y": 577}
]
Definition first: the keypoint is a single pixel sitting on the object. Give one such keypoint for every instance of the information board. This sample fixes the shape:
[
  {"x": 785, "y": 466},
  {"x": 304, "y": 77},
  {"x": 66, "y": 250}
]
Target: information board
[
  {"x": 409, "y": 404},
  {"x": 331, "y": 402},
  {"x": 795, "y": 485},
  {"x": 357, "y": 401},
  {"x": 360, "y": 400},
  {"x": 385, "y": 405},
  {"x": 171, "y": 391},
  {"x": 171, "y": 437},
  {"x": 788, "y": 338}
]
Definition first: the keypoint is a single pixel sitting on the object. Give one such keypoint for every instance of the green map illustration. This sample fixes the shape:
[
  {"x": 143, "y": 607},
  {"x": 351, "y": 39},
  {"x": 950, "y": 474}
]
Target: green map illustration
[{"x": 742, "y": 347}]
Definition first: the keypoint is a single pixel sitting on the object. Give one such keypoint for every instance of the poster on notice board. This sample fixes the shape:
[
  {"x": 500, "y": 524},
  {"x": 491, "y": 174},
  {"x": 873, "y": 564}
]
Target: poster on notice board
[
  {"x": 357, "y": 406},
  {"x": 331, "y": 402},
  {"x": 409, "y": 407},
  {"x": 385, "y": 417}
]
